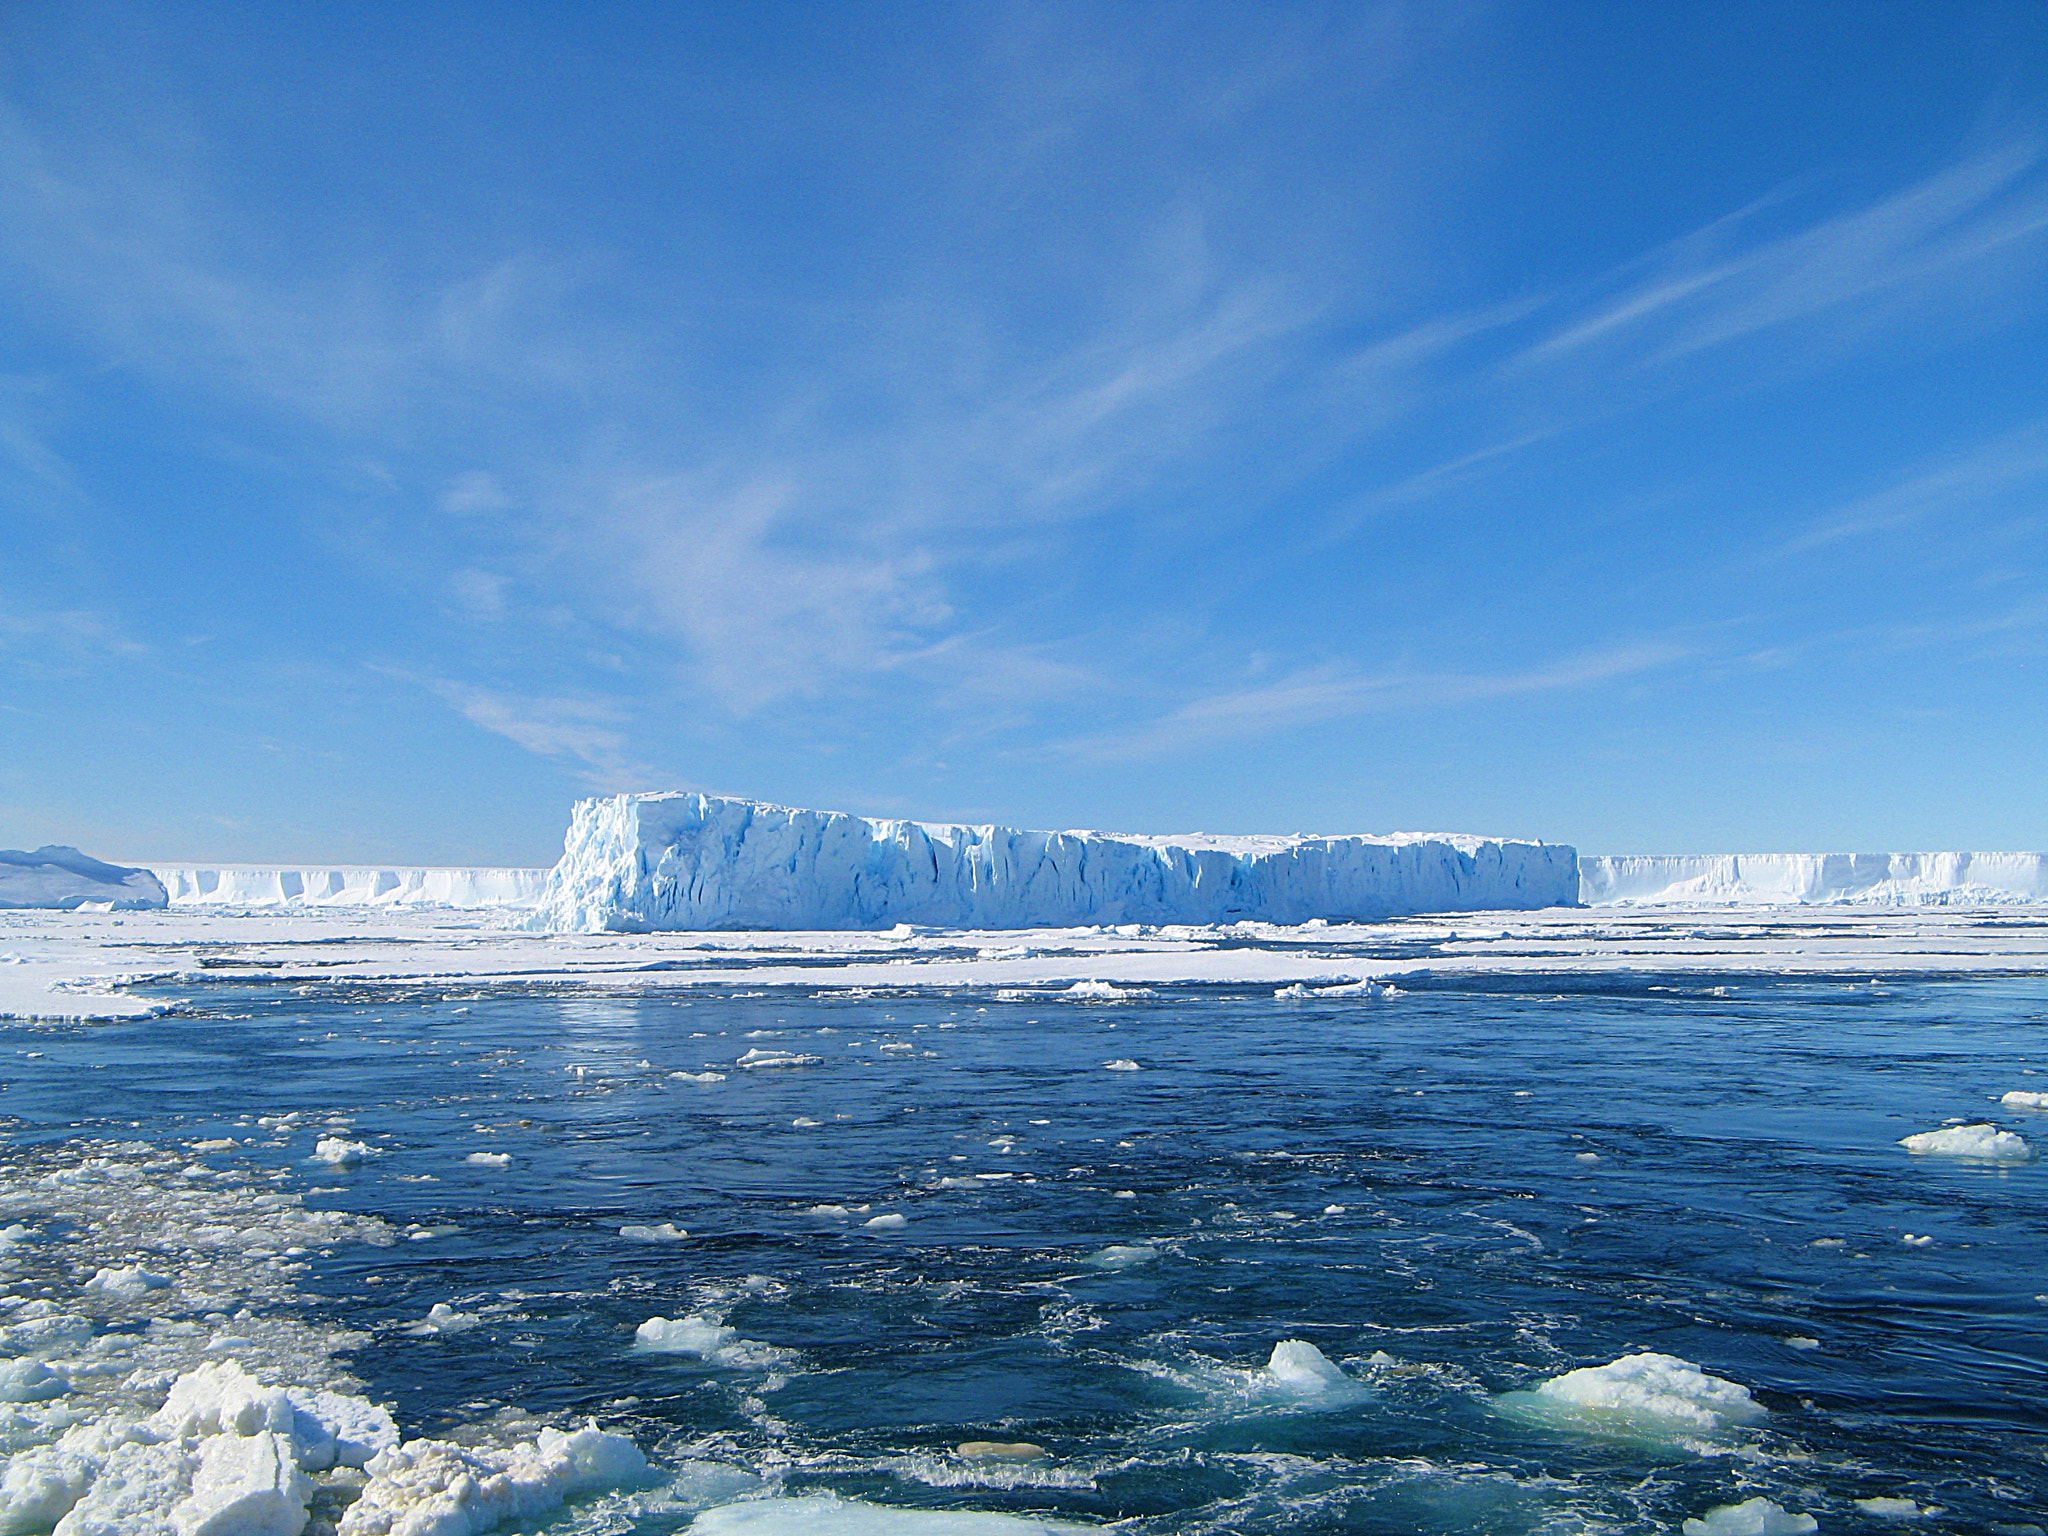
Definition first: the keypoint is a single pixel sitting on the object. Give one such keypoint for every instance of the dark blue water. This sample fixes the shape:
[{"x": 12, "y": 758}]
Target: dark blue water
[{"x": 1490, "y": 1185}]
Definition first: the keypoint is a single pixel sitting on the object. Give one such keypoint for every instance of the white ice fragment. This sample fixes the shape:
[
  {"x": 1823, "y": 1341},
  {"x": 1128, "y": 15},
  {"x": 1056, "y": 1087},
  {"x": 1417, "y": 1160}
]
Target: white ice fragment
[
  {"x": 246, "y": 1485},
  {"x": 707, "y": 1339},
  {"x": 221, "y": 1398},
  {"x": 823, "y": 1515},
  {"x": 760, "y": 1058},
  {"x": 1122, "y": 1064},
  {"x": 214, "y": 1144},
  {"x": 830, "y": 1212},
  {"x": 340, "y": 1152},
  {"x": 1299, "y": 1369},
  {"x": 1653, "y": 1394},
  {"x": 666, "y": 1232},
  {"x": 442, "y": 1318},
  {"x": 28, "y": 1380},
  {"x": 354, "y": 1427},
  {"x": 887, "y": 1222},
  {"x": 698, "y": 1077},
  {"x": 806, "y": 1123},
  {"x": 1800, "y": 1341},
  {"x": 437, "y": 1488},
  {"x": 128, "y": 1281},
  {"x": 1891, "y": 1509},
  {"x": 490, "y": 1159},
  {"x": 40, "y": 1486},
  {"x": 1123, "y": 1255},
  {"x": 1979, "y": 1141},
  {"x": 1752, "y": 1517},
  {"x": 1102, "y": 992},
  {"x": 2022, "y": 1098}
]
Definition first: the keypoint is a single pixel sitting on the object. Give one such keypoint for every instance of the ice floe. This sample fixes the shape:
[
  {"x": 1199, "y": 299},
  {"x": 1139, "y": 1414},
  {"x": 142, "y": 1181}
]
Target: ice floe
[
  {"x": 822, "y": 1515},
  {"x": 339, "y": 1152},
  {"x": 438, "y": 1488},
  {"x": 1122, "y": 1256},
  {"x": 1650, "y": 1395},
  {"x": 707, "y": 1339},
  {"x": 1298, "y": 1369},
  {"x": 2024, "y": 1098},
  {"x": 1752, "y": 1517},
  {"x": 664, "y": 1232},
  {"x": 1979, "y": 1141},
  {"x": 1887, "y": 1508}
]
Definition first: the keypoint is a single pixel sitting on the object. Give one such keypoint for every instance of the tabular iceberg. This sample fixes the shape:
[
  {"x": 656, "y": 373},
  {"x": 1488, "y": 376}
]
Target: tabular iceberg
[
  {"x": 57, "y": 876},
  {"x": 347, "y": 885},
  {"x": 679, "y": 861},
  {"x": 1805, "y": 879}
]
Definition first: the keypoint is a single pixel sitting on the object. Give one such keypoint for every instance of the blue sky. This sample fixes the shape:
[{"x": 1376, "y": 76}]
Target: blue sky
[{"x": 1620, "y": 424}]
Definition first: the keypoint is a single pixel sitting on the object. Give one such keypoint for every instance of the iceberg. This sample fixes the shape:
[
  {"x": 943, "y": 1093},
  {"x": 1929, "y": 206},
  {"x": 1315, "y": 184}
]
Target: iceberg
[
  {"x": 1808, "y": 879},
  {"x": 345, "y": 885},
  {"x": 1981, "y": 1141},
  {"x": 1649, "y": 1395},
  {"x": 58, "y": 876},
  {"x": 683, "y": 861},
  {"x": 1752, "y": 1517}
]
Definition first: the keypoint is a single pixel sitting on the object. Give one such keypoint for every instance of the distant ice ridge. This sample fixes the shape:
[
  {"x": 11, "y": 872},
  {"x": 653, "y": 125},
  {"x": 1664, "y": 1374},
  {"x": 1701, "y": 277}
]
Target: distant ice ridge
[
  {"x": 1804, "y": 879},
  {"x": 347, "y": 885},
  {"x": 676, "y": 861},
  {"x": 56, "y": 876}
]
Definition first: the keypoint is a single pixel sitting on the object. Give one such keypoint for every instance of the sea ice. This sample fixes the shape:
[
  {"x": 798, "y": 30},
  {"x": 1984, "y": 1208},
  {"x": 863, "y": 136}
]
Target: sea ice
[
  {"x": 1122, "y": 1064},
  {"x": 27, "y": 1380},
  {"x": 1123, "y": 1255},
  {"x": 490, "y": 1159},
  {"x": 437, "y": 1488},
  {"x": 340, "y": 1152},
  {"x": 1298, "y": 1369},
  {"x": 1891, "y": 1509},
  {"x": 441, "y": 1318},
  {"x": 1103, "y": 992},
  {"x": 245, "y": 1485},
  {"x": 707, "y": 1339},
  {"x": 2021, "y": 1098},
  {"x": 688, "y": 861},
  {"x": 128, "y": 1281},
  {"x": 1752, "y": 1517},
  {"x": 822, "y": 1515},
  {"x": 1657, "y": 1395},
  {"x": 1784, "y": 879},
  {"x": 666, "y": 1232},
  {"x": 1981, "y": 1141},
  {"x": 887, "y": 1222},
  {"x": 760, "y": 1058}
]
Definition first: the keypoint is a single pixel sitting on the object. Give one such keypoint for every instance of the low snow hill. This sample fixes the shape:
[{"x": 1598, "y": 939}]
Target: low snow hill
[
  {"x": 677, "y": 861},
  {"x": 62, "y": 877},
  {"x": 1806, "y": 879}
]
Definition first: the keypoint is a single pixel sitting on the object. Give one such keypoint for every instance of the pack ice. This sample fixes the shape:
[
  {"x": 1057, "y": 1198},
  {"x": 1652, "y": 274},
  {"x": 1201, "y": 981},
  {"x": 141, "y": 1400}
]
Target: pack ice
[
  {"x": 56, "y": 876},
  {"x": 1808, "y": 879},
  {"x": 678, "y": 861}
]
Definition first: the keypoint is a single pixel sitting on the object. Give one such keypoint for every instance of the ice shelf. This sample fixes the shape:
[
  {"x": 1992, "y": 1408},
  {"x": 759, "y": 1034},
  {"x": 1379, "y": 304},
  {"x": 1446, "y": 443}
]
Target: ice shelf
[
  {"x": 347, "y": 885},
  {"x": 678, "y": 861},
  {"x": 1802, "y": 879}
]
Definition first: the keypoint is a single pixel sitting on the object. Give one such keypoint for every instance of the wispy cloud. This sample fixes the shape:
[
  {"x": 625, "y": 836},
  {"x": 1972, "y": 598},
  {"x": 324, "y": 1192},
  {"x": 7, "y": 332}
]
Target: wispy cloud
[
  {"x": 581, "y": 731},
  {"x": 1970, "y": 482},
  {"x": 1334, "y": 693}
]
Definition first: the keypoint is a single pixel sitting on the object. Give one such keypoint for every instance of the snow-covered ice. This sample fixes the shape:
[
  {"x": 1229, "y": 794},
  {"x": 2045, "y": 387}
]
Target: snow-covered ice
[
  {"x": 1798, "y": 879},
  {"x": 263, "y": 886},
  {"x": 55, "y": 876},
  {"x": 1298, "y": 1369},
  {"x": 1979, "y": 1141},
  {"x": 1651, "y": 1394},
  {"x": 656, "y": 862},
  {"x": 2024, "y": 1098}
]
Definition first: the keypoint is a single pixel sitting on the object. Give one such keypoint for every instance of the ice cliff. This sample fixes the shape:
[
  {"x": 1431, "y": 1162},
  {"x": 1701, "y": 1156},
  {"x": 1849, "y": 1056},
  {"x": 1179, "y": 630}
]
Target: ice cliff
[
  {"x": 56, "y": 876},
  {"x": 347, "y": 885},
  {"x": 690, "y": 861},
  {"x": 1800, "y": 879}
]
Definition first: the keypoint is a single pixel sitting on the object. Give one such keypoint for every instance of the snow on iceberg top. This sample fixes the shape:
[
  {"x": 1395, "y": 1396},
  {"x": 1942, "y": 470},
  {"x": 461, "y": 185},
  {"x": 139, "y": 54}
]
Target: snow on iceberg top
[
  {"x": 679, "y": 860},
  {"x": 1806, "y": 879}
]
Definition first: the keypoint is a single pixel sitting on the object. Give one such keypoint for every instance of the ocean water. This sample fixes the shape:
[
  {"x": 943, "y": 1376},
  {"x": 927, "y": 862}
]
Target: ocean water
[{"x": 1455, "y": 1194}]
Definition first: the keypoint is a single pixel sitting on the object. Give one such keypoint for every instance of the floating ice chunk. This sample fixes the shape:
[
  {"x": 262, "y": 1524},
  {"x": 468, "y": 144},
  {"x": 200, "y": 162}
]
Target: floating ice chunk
[
  {"x": 214, "y": 1144},
  {"x": 1123, "y": 1255},
  {"x": 40, "y": 1486},
  {"x": 707, "y": 1339},
  {"x": 29, "y": 1381},
  {"x": 1980, "y": 1141},
  {"x": 442, "y": 1318},
  {"x": 1660, "y": 1396},
  {"x": 1298, "y": 1369},
  {"x": 698, "y": 1077},
  {"x": 137, "y": 1485},
  {"x": 1000, "y": 1450},
  {"x": 490, "y": 1159},
  {"x": 245, "y": 1485},
  {"x": 1752, "y": 1517},
  {"x": 823, "y": 1515},
  {"x": 1891, "y": 1509},
  {"x": 220, "y": 1398},
  {"x": 1301, "y": 990},
  {"x": 340, "y": 1152},
  {"x": 128, "y": 1282},
  {"x": 887, "y": 1223},
  {"x": 1103, "y": 992},
  {"x": 666, "y": 1232},
  {"x": 830, "y": 1212},
  {"x": 436, "y": 1488},
  {"x": 1122, "y": 1064},
  {"x": 2021, "y": 1098},
  {"x": 1800, "y": 1341},
  {"x": 760, "y": 1058},
  {"x": 355, "y": 1427}
]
